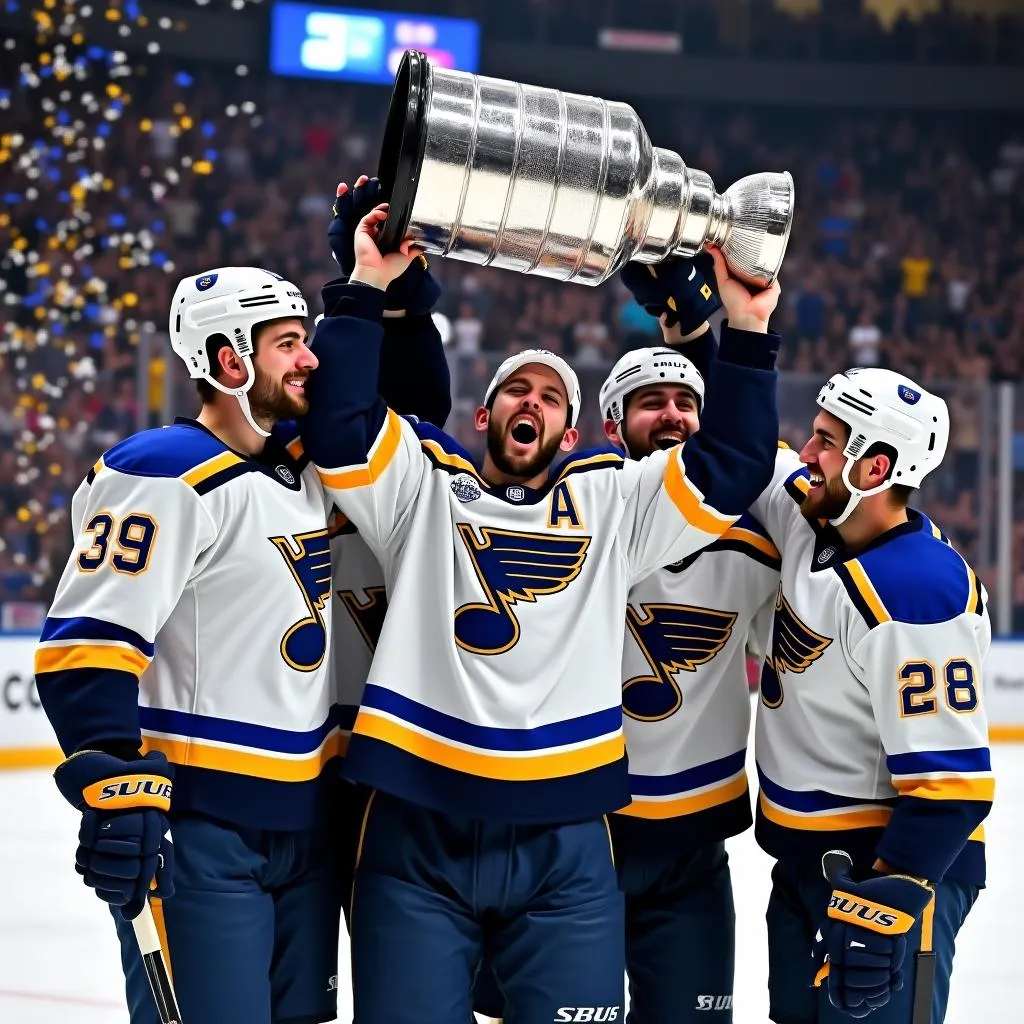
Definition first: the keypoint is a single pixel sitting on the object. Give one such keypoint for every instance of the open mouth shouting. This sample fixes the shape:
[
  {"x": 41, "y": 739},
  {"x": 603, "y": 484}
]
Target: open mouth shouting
[
  {"x": 668, "y": 437},
  {"x": 524, "y": 430},
  {"x": 817, "y": 480}
]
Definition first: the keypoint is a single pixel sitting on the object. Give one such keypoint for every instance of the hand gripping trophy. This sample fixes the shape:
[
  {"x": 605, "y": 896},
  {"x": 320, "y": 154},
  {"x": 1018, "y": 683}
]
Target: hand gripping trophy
[{"x": 552, "y": 183}]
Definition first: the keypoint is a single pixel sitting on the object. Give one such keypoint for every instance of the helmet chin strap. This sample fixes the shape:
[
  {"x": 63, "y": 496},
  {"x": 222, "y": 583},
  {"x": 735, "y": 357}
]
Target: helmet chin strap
[
  {"x": 856, "y": 493},
  {"x": 242, "y": 396}
]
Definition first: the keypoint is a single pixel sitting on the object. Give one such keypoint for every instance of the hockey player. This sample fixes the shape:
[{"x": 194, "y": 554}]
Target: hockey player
[
  {"x": 871, "y": 738},
  {"x": 414, "y": 379},
  {"x": 490, "y": 727},
  {"x": 685, "y": 693},
  {"x": 186, "y": 647}
]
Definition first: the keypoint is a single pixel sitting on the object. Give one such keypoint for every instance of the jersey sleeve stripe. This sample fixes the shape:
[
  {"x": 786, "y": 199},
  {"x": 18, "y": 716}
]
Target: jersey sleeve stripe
[
  {"x": 644, "y": 807},
  {"x": 582, "y": 465},
  {"x": 754, "y": 540},
  {"x": 85, "y": 628},
  {"x": 689, "y": 502},
  {"x": 97, "y": 466},
  {"x": 956, "y": 788},
  {"x": 975, "y": 605},
  {"x": 862, "y": 593},
  {"x": 60, "y": 657},
  {"x": 575, "y": 730},
  {"x": 449, "y": 460},
  {"x": 383, "y": 451},
  {"x": 866, "y": 817},
  {"x": 969, "y": 759},
  {"x": 508, "y": 767}
]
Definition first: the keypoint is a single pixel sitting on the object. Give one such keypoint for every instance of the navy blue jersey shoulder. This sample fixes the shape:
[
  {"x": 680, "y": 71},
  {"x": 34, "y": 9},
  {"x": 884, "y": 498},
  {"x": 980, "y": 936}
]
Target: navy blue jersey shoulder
[
  {"x": 164, "y": 452},
  {"x": 919, "y": 578}
]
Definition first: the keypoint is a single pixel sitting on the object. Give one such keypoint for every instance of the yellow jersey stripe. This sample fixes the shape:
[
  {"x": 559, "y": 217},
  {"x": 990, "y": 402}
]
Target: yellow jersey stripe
[
  {"x": 692, "y": 508},
  {"x": 978, "y": 835},
  {"x": 294, "y": 448},
  {"x": 802, "y": 484},
  {"x": 449, "y": 459},
  {"x": 867, "y": 591},
  {"x": 603, "y": 458},
  {"x": 206, "y": 469},
  {"x": 491, "y": 766},
  {"x": 676, "y": 808},
  {"x": 754, "y": 540},
  {"x": 195, "y": 754},
  {"x": 947, "y": 789},
  {"x": 383, "y": 452},
  {"x": 98, "y": 465},
  {"x": 869, "y": 818},
  {"x": 94, "y": 656}
]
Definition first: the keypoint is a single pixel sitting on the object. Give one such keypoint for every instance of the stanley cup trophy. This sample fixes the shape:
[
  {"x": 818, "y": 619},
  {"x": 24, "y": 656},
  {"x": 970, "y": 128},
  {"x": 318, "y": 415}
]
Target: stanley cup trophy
[{"x": 569, "y": 187}]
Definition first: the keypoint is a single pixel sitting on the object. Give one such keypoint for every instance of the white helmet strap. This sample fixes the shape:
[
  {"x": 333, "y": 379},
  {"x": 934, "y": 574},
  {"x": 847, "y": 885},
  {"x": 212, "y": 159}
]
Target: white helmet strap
[
  {"x": 857, "y": 493},
  {"x": 241, "y": 393}
]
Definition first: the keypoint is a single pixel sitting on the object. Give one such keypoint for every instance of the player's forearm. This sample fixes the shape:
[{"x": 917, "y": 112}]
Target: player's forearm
[
  {"x": 414, "y": 375},
  {"x": 924, "y": 837},
  {"x": 700, "y": 348},
  {"x": 346, "y": 411}
]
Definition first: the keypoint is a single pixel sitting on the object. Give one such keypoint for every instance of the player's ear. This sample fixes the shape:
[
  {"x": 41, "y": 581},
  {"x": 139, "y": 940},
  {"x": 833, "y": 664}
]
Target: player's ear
[
  {"x": 230, "y": 364},
  {"x": 611, "y": 431},
  {"x": 569, "y": 439},
  {"x": 481, "y": 418}
]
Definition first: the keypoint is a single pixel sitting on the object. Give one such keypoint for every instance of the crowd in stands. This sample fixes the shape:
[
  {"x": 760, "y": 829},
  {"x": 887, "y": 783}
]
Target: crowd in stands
[{"x": 907, "y": 251}]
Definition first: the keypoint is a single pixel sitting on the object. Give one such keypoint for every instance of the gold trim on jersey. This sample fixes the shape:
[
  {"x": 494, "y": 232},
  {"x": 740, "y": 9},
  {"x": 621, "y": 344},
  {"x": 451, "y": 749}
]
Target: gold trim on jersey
[
  {"x": 752, "y": 539},
  {"x": 196, "y": 754},
  {"x": 295, "y": 449},
  {"x": 686, "y": 499},
  {"x": 957, "y": 788},
  {"x": 871, "y": 817},
  {"x": 510, "y": 768},
  {"x": 677, "y": 807},
  {"x": 865, "y": 588},
  {"x": 225, "y": 460},
  {"x": 116, "y": 657},
  {"x": 381, "y": 454}
]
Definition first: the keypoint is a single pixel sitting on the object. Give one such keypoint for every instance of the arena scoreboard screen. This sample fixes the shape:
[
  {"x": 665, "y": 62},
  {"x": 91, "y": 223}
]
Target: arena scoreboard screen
[{"x": 353, "y": 45}]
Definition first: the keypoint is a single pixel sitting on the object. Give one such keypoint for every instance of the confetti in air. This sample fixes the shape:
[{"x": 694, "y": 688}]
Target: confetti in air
[{"x": 85, "y": 227}]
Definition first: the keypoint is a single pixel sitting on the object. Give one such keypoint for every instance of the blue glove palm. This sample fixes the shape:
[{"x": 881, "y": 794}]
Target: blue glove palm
[
  {"x": 416, "y": 290},
  {"x": 675, "y": 287},
  {"x": 865, "y": 937},
  {"x": 122, "y": 850}
]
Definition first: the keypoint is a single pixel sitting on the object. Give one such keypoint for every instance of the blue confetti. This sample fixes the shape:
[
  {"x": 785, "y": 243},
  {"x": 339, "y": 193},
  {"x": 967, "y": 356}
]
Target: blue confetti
[
  {"x": 12, "y": 197},
  {"x": 157, "y": 227},
  {"x": 103, "y": 130},
  {"x": 117, "y": 105},
  {"x": 96, "y": 339},
  {"x": 184, "y": 79},
  {"x": 46, "y": 71},
  {"x": 92, "y": 310},
  {"x": 41, "y": 224},
  {"x": 53, "y": 174},
  {"x": 86, "y": 271},
  {"x": 56, "y": 152},
  {"x": 227, "y": 217},
  {"x": 95, "y": 53},
  {"x": 158, "y": 259},
  {"x": 210, "y": 154},
  {"x": 132, "y": 9},
  {"x": 11, "y": 6},
  {"x": 209, "y": 129},
  {"x": 116, "y": 220},
  {"x": 64, "y": 196},
  {"x": 63, "y": 117},
  {"x": 57, "y": 327}
]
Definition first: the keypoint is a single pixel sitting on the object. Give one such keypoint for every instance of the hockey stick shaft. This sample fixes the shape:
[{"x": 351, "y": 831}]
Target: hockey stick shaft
[{"x": 148, "y": 938}]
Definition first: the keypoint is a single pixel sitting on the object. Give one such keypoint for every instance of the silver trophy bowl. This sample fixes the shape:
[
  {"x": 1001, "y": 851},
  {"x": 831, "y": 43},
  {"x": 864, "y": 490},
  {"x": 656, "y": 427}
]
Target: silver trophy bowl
[{"x": 552, "y": 183}]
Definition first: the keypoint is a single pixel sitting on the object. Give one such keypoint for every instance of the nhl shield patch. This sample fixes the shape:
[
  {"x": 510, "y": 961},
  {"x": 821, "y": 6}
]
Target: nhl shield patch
[
  {"x": 909, "y": 395},
  {"x": 206, "y": 282}
]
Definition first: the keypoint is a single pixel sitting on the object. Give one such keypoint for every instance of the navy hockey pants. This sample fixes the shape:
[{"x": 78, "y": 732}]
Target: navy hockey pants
[
  {"x": 435, "y": 893},
  {"x": 251, "y": 932},
  {"x": 680, "y": 937},
  {"x": 797, "y": 907}
]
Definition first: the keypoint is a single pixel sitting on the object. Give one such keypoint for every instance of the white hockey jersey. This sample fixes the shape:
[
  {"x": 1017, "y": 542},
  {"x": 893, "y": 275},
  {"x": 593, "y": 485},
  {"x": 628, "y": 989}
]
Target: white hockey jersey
[
  {"x": 871, "y": 735},
  {"x": 685, "y": 695},
  {"x": 193, "y": 618}
]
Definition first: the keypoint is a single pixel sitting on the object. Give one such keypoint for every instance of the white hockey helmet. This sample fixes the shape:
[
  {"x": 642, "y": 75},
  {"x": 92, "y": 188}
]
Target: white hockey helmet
[
  {"x": 884, "y": 406},
  {"x": 641, "y": 368},
  {"x": 545, "y": 358},
  {"x": 228, "y": 301}
]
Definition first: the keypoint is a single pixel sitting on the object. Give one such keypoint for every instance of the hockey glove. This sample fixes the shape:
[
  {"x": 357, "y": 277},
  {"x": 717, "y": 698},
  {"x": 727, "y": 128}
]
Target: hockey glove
[
  {"x": 123, "y": 847},
  {"x": 416, "y": 290},
  {"x": 865, "y": 937},
  {"x": 675, "y": 287}
]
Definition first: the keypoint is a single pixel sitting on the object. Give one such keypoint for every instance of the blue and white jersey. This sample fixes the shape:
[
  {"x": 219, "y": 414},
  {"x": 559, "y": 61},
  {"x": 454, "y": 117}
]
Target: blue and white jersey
[{"x": 193, "y": 618}]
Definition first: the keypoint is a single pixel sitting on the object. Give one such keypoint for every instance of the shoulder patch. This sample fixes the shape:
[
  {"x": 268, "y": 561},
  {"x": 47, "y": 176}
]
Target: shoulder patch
[
  {"x": 917, "y": 578},
  {"x": 164, "y": 452}
]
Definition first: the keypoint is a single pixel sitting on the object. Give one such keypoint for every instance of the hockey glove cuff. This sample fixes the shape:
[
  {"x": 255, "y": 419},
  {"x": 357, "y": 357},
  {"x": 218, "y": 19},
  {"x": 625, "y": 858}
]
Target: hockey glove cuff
[{"x": 675, "y": 287}]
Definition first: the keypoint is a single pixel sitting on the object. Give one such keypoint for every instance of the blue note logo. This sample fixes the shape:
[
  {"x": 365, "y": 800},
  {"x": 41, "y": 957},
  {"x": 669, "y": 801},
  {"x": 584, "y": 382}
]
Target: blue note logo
[
  {"x": 308, "y": 558},
  {"x": 673, "y": 638},
  {"x": 795, "y": 647},
  {"x": 512, "y": 567}
]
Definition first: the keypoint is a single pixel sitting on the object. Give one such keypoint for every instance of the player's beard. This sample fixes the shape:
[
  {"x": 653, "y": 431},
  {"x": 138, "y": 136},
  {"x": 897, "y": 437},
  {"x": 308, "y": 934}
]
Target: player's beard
[
  {"x": 270, "y": 401},
  {"x": 526, "y": 466},
  {"x": 829, "y": 503},
  {"x": 640, "y": 447}
]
